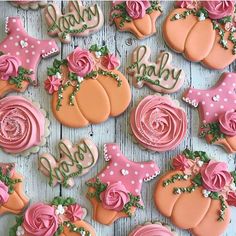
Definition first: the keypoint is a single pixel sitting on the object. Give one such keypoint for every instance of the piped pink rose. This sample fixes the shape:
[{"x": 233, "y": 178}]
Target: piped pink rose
[
  {"x": 180, "y": 162},
  {"x": 52, "y": 84},
  {"x": 74, "y": 212},
  {"x": 110, "y": 62},
  {"x": 189, "y": 4},
  {"x": 231, "y": 199},
  {"x": 4, "y": 195},
  {"x": 136, "y": 9},
  {"x": 228, "y": 123}
]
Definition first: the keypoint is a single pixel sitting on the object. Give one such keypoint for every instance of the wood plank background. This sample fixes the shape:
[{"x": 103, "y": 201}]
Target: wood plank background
[{"x": 114, "y": 130}]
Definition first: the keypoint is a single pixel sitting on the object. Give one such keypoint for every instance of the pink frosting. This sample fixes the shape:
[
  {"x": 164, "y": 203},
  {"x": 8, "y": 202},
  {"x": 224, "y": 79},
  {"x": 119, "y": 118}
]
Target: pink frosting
[
  {"x": 115, "y": 197},
  {"x": 9, "y": 66},
  {"x": 3, "y": 193},
  {"x": 215, "y": 176},
  {"x": 231, "y": 199},
  {"x": 40, "y": 220},
  {"x": 228, "y": 123},
  {"x": 219, "y": 9},
  {"x": 81, "y": 62},
  {"x": 74, "y": 212},
  {"x": 158, "y": 124},
  {"x": 180, "y": 162},
  {"x": 110, "y": 62},
  {"x": 137, "y": 8},
  {"x": 189, "y": 4},
  {"x": 151, "y": 230},
  {"x": 52, "y": 84},
  {"x": 22, "y": 125}
]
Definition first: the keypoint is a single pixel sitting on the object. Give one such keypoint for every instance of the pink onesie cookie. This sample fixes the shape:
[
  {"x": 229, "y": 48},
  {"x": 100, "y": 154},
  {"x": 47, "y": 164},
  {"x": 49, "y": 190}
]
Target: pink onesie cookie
[
  {"x": 19, "y": 57},
  {"x": 32, "y": 4},
  {"x": 217, "y": 111},
  {"x": 116, "y": 191}
]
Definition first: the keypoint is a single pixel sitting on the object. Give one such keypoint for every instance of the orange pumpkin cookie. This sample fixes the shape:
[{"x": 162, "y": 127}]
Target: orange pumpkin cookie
[
  {"x": 137, "y": 17},
  {"x": 197, "y": 193},
  {"x": 87, "y": 88},
  {"x": 62, "y": 217},
  {"x": 203, "y": 31}
]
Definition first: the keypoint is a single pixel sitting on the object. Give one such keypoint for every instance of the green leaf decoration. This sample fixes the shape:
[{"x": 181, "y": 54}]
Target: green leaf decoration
[
  {"x": 133, "y": 202},
  {"x": 63, "y": 201},
  {"x": 194, "y": 154},
  {"x": 214, "y": 196},
  {"x": 99, "y": 188},
  {"x": 233, "y": 173},
  {"x": 197, "y": 179},
  {"x": 202, "y": 11},
  {"x": 59, "y": 230},
  {"x": 225, "y": 20},
  {"x": 19, "y": 222}
]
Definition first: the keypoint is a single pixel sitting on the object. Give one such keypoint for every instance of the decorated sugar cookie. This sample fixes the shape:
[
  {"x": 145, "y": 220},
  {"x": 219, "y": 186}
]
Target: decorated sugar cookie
[
  {"x": 78, "y": 21},
  {"x": 158, "y": 123},
  {"x": 160, "y": 76},
  {"x": 203, "y": 31},
  {"x": 12, "y": 198},
  {"x": 23, "y": 126},
  {"x": 87, "y": 88},
  {"x": 197, "y": 193},
  {"x": 75, "y": 160},
  {"x": 33, "y": 4},
  {"x": 19, "y": 57},
  {"x": 217, "y": 111},
  {"x": 61, "y": 217},
  {"x": 137, "y": 17},
  {"x": 116, "y": 191}
]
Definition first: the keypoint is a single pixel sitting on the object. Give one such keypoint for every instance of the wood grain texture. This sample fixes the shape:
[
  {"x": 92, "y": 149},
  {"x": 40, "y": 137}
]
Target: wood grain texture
[{"x": 114, "y": 130}]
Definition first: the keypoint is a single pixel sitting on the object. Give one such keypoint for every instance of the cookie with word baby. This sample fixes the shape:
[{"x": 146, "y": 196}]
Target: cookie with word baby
[
  {"x": 203, "y": 31},
  {"x": 78, "y": 20},
  {"x": 217, "y": 111},
  {"x": 74, "y": 160},
  {"x": 197, "y": 193},
  {"x": 87, "y": 88},
  {"x": 26, "y": 5},
  {"x": 61, "y": 217},
  {"x": 136, "y": 17},
  {"x": 160, "y": 76},
  {"x": 116, "y": 191}
]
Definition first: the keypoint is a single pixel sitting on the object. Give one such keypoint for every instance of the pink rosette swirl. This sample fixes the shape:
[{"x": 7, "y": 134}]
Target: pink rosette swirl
[
  {"x": 215, "y": 176},
  {"x": 40, "y": 220},
  {"x": 115, "y": 197},
  {"x": 22, "y": 125},
  {"x": 136, "y": 9},
  {"x": 110, "y": 62},
  {"x": 180, "y": 162},
  {"x": 158, "y": 124},
  {"x": 228, "y": 123},
  {"x": 218, "y": 9},
  {"x": 9, "y": 66},
  {"x": 74, "y": 212},
  {"x": 4, "y": 195},
  {"x": 52, "y": 84},
  {"x": 189, "y": 4},
  {"x": 81, "y": 62},
  {"x": 231, "y": 199}
]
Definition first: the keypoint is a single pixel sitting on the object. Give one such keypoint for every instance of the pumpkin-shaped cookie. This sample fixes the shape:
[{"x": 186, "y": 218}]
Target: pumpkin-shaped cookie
[
  {"x": 203, "y": 32},
  {"x": 196, "y": 195},
  {"x": 86, "y": 88}
]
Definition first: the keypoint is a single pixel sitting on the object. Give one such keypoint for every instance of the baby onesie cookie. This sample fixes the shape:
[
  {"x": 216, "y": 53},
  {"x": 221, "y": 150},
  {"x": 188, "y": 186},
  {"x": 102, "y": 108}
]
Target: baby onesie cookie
[
  {"x": 216, "y": 107},
  {"x": 116, "y": 191},
  {"x": 79, "y": 20},
  {"x": 12, "y": 198},
  {"x": 158, "y": 123},
  {"x": 87, "y": 88},
  {"x": 75, "y": 160},
  {"x": 196, "y": 194},
  {"x": 203, "y": 31},
  {"x": 137, "y": 17},
  {"x": 161, "y": 76},
  {"x": 19, "y": 57},
  {"x": 61, "y": 217},
  {"x": 23, "y": 126},
  {"x": 25, "y": 5}
]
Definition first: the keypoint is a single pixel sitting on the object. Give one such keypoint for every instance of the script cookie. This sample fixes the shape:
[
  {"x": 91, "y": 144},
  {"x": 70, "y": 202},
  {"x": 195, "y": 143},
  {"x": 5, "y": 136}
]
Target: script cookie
[
  {"x": 87, "y": 88},
  {"x": 25, "y": 5},
  {"x": 203, "y": 31},
  {"x": 137, "y": 17},
  {"x": 216, "y": 107},
  {"x": 196, "y": 194},
  {"x": 160, "y": 76}
]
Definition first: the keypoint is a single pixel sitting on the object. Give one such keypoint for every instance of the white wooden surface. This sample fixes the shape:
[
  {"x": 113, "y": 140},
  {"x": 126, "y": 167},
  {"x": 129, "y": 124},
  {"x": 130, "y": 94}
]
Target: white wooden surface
[{"x": 114, "y": 130}]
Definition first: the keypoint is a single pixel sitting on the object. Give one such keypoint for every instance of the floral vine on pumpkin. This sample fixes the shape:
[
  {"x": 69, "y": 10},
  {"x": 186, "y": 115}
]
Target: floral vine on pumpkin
[{"x": 82, "y": 65}]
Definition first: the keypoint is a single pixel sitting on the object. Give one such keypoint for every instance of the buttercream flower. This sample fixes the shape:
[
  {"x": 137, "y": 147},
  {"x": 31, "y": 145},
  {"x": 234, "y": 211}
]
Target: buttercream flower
[
  {"x": 40, "y": 220},
  {"x": 80, "y": 62},
  {"x": 180, "y": 162},
  {"x": 52, "y": 84},
  {"x": 189, "y": 4},
  {"x": 228, "y": 123},
  {"x": 231, "y": 199},
  {"x": 215, "y": 176},
  {"x": 4, "y": 196},
  {"x": 228, "y": 26},
  {"x": 115, "y": 197},
  {"x": 9, "y": 66},
  {"x": 110, "y": 62},
  {"x": 74, "y": 212},
  {"x": 219, "y": 9},
  {"x": 136, "y": 9}
]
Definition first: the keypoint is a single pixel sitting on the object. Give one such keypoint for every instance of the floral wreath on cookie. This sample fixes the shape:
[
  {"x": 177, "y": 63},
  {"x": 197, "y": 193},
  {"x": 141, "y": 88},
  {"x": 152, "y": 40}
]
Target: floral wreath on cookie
[
  {"x": 222, "y": 14},
  {"x": 60, "y": 213},
  {"x": 82, "y": 64},
  {"x": 217, "y": 182}
]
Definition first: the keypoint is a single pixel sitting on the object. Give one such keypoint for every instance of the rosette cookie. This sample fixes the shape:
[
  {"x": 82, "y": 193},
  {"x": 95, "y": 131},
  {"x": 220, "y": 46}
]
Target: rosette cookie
[
  {"x": 158, "y": 124},
  {"x": 23, "y": 126}
]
